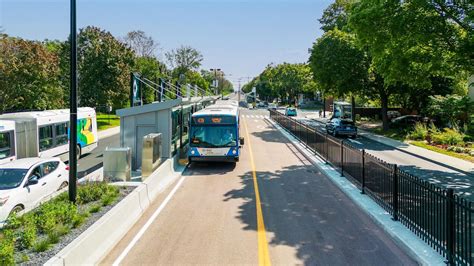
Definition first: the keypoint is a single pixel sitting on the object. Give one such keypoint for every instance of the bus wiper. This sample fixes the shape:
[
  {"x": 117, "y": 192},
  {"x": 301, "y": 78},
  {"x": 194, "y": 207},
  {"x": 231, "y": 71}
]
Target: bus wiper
[
  {"x": 209, "y": 144},
  {"x": 226, "y": 144}
]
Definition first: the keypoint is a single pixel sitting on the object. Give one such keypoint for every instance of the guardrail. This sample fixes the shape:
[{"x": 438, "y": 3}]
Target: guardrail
[{"x": 437, "y": 215}]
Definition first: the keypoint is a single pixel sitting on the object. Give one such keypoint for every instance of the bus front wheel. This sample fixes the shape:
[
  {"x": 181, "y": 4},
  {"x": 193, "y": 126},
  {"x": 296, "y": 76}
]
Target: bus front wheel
[{"x": 78, "y": 152}]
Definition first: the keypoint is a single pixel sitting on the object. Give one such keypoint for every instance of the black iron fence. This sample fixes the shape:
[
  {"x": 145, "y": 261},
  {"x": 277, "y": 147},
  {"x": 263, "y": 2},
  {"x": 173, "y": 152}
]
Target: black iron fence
[{"x": 438, "y": 216}]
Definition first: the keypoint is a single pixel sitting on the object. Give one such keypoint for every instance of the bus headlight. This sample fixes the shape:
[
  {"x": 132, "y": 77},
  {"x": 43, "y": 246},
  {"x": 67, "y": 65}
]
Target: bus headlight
[
  {"x": 234, "y": 152},
  {"x": 193, "y": 152}
]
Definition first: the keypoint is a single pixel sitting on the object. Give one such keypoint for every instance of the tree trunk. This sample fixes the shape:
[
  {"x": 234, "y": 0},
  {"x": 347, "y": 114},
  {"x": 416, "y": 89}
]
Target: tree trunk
[
  {"x": 384, "y": 102},
  {"x": 353, "y": 103}
]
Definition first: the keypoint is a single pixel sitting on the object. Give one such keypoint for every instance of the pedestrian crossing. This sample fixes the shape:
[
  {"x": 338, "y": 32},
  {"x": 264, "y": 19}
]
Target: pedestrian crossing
[{"x": 256, "y": 116}]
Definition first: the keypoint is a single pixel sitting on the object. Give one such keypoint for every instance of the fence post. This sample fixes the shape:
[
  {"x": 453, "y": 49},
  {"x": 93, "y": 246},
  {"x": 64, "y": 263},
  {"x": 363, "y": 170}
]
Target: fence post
[
  {"x": 363, "y": 172},
  {"x": 342, "y": 157},
  {"x": 450, "y": 226},
  {"x": 395, "y": 193},
  {"x": 327, "y": 149}
]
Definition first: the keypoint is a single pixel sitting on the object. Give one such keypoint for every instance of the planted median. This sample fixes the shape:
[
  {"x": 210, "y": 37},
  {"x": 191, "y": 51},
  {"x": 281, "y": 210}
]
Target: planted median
[{"x": 38, "y": 235}]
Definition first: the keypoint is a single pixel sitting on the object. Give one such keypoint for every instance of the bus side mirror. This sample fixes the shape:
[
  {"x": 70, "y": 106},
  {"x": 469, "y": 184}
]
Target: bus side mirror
[{"x": 242, "y": 141}]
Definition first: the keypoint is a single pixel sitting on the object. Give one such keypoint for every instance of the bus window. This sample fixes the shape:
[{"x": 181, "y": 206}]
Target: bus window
[
  {"x": 61, "y": 134},
  {"x": 45, "y": 137},
  {"x": 6, "y": 145}
]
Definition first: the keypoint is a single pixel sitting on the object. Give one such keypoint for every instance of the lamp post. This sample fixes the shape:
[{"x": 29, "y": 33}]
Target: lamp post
[{"x": 73, "y": 108}]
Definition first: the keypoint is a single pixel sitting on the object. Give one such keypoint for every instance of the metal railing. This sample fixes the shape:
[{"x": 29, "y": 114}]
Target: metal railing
[{"x": 436, "y": 215}]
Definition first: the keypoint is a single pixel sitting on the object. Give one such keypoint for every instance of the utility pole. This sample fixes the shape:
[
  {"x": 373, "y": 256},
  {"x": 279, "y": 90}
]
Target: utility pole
[
  {"x": 216, "y": 85},
  {"x": 73, "y": 108},
  {"x": 238, "y": 94}
]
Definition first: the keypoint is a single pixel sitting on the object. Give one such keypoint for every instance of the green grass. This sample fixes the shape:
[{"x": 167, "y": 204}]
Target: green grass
[
  {"x": 462, "y": 156},
  {"x": 105, "y": 121}
]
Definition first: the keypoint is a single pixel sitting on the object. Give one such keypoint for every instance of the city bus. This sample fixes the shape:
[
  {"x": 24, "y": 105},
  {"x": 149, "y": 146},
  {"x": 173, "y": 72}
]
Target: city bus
[
  {"x": 7, "y": 141},
  {"x": 214, "y": 134},
  {"x": 46, "y": 133}
]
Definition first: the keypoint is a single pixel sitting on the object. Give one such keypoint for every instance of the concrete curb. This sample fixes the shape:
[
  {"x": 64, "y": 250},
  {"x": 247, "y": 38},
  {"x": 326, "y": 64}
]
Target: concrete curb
[
  {"x": 100, "y": 238},
  {"x": 403, "y": 237}
]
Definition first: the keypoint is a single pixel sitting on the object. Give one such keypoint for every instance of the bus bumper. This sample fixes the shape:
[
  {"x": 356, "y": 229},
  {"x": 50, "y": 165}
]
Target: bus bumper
[{"x": 213, "y": 159}]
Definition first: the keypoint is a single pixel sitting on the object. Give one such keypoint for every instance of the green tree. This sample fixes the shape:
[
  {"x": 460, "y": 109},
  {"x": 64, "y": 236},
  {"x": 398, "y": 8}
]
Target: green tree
[
  {"x": 338, "y": 64},
  {"x": 412, "y": 41},
  {"x": 104, "y": 66},
  {"x": 28, "y": 76},
  {"x": 284, "y": 81},
  {"x": 152, "y": 69},
  {"x": 184, "y": 59},
  {"x": 451, "y": 109},
  {"x": 335, "y": 16}
]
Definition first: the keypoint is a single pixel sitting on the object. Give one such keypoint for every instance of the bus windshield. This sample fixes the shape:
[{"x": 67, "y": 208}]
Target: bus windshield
[{"x": 213, "y": 136}]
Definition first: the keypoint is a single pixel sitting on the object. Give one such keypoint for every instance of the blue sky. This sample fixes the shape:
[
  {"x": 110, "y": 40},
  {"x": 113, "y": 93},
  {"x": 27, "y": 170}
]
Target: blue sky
[{"x": 239, "y": 36}]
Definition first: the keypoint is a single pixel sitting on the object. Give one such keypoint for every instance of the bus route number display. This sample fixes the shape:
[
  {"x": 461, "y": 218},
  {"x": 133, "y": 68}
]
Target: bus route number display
[{"x": 212, "y": 120}]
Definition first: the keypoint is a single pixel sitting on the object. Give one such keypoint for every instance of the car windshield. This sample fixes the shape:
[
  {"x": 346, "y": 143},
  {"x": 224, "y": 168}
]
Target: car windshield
[
  {"x": 11, "y": 178},
  {"x": 213, "y": 136}
]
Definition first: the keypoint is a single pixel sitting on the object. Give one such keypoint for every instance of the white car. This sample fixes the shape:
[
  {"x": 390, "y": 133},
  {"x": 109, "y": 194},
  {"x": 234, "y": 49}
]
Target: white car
[{"x": 25, "y": 183}]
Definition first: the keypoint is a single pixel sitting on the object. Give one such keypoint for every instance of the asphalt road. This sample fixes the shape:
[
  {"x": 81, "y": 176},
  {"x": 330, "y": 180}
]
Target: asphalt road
[
  {"x": 272, "y": 205},
  {"x": 435, "y": 172},
  {"x": 94, "y": 160}
]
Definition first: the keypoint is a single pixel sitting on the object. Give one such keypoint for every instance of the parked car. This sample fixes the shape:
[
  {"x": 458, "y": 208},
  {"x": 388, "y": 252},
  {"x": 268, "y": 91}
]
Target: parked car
[
  {"x": 272, "y": 106},
  {"x": 393, "y": 114},
  {"x": 407, "y": 120},
  {"x": 27, "y": 182},
  {"x": 262, "y": 104},
  {"x": 338, "y": 126},
  {"x": 290, "y": 111}
]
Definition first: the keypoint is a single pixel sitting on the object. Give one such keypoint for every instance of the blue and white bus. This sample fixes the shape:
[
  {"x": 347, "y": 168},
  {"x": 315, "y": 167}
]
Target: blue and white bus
[{"x": 214, "y": 133}]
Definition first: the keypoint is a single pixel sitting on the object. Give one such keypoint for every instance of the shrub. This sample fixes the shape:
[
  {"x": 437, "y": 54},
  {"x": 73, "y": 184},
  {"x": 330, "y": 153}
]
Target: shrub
[
  {"x": 7, "y": 249},
  {"x": 42, "y": 245},
  {"x": 54, "y": 212},
  {"x": 448, "y": 137},
  {"x": 58, "y": 231},
  {"x": 91, "y": 192},
  {"x": 419, "y": 132},
  {"x": 78, "y": 220},
  {"x": 95, "y": 208},
  {"x": 28, "y": 233}
]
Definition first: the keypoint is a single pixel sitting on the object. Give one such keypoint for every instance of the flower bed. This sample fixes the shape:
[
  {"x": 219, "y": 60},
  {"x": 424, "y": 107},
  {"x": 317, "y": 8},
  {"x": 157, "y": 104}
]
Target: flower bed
[{"x": 38, "y": 235}]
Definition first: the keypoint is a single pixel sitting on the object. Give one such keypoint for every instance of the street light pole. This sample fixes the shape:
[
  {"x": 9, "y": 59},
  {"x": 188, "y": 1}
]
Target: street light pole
[
  {"x": 73, "y": 108},
  {"x": 215, "y": 70}
]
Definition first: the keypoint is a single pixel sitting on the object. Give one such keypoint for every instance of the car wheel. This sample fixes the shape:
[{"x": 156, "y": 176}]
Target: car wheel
[
  {"x": 63, "y": 185},
  {"x": 78, "y": 152},
  {"x": 16, "y": 209}
]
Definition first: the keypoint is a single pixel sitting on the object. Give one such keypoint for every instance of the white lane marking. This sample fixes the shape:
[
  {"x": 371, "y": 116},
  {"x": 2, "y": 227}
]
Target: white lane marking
[
  {"x": 355, "y": 141},
  {"x": 148, "y": 223},
  {"x": 256, "y": 120}
]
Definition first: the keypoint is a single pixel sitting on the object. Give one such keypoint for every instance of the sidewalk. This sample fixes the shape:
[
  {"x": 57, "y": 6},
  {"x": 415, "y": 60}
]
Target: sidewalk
[
  {"x": 108, "y": 132},
  {"x": 462, "y": 165}
]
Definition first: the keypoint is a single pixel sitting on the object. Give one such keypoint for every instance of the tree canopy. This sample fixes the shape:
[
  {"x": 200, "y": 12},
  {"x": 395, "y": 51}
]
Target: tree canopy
[{"x": 28, "y": 76}]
